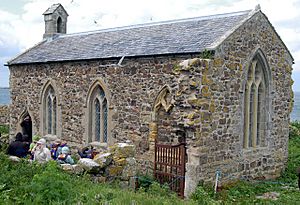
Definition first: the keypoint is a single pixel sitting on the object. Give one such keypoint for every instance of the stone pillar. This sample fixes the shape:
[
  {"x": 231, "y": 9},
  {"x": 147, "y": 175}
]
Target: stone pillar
[{"x": 152, "y": 136}]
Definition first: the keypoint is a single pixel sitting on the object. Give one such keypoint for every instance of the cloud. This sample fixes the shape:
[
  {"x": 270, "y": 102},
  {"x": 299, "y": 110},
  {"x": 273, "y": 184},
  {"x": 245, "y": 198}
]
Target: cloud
[{"x": 19, "y": 32}]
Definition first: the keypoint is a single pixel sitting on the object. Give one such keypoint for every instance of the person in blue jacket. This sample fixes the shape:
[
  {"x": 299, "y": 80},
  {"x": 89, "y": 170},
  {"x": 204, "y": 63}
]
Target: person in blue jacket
[{"x": 65, "y": 157}]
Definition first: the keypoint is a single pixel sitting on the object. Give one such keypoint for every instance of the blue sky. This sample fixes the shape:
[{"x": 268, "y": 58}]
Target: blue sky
[{"x": 22, "y": 25}]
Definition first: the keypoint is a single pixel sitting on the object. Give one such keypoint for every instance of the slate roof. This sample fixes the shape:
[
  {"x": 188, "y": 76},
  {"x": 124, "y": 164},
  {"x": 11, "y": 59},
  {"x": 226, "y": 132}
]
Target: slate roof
[
  {"x": 191, "y": 35},
  {"x": 52, "y": 8}
]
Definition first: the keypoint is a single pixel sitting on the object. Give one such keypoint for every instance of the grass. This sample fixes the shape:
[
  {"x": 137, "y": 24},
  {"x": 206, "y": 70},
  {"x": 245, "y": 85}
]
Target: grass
[
  {"x": 243, "y": 192},
  {"x": 26, "y": 183},
  {"x": 4, "y": 129}
]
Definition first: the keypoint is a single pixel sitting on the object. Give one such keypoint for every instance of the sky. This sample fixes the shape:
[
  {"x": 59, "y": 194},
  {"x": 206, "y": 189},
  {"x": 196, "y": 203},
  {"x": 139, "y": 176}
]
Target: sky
[{"x": 22, "y": 23}]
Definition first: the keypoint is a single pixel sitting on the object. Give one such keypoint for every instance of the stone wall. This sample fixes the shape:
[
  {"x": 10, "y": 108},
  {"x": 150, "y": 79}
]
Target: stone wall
[
  {"x": 219, "y": 138},
  {"x": 203, "y": 99},
  {"x": 4, "y": 114}
]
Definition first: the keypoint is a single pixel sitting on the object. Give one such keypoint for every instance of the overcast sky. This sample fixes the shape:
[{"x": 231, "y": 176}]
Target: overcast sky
[{"x": 22, "y": 24}]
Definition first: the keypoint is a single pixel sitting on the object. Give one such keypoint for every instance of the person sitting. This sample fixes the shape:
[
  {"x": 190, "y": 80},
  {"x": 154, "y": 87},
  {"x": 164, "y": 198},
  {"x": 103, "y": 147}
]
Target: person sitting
[
  {"x": 35, "y": 138},
  {"x": 61, "y": 145},
  {"x": 18, "y": 147},
  {"x": 86, "y": 152},
  {"x": 65, "y": 157},
  {"x": 25, "y": 140},
  {"x": 40, "y": 152},
  {"x": 54, "y": 149}
]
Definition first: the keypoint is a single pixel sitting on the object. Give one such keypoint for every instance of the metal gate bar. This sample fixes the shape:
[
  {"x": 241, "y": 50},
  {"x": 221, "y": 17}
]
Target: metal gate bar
[{"x": 169, "y": 166}]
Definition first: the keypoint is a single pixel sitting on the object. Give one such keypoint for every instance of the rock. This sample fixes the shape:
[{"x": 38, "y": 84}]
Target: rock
[
  {"x": 269, "y": 195},
  {"x": 115, "y": 170},
  {"x": 67, "y": 167},
  {"x": 121, "y": 162},
  {"x": 89, "y": 165},
  {"x": 131, "y": 161},
  {"x": 122, "y": 150},
  {"x": 14, "y": 158},
  {"x": 99, "y": 179},
  {"x": 4, "y": 139},
  {"x": 128, "y": 172},
  {"x": 103, "y": 159},
  {"x": 77, "y": 169}
]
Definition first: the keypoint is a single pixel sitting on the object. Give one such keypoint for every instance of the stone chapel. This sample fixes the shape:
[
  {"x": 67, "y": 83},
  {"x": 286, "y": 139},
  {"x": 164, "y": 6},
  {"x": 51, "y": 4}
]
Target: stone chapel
[{"x": 220, "y": 83}]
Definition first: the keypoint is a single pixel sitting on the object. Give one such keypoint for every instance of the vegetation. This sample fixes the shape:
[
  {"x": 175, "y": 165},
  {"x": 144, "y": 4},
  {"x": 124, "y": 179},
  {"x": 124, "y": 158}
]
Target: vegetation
[
  {"x": 31, "y": 183},
  {"x": 206, "y": 54},
  {"x": 243, "y": 192},
  {"x": 4, "y": 129}
]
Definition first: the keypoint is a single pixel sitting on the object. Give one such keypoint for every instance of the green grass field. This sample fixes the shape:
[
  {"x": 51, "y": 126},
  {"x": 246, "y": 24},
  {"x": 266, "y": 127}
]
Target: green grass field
[{"x": 25, "y": 183}]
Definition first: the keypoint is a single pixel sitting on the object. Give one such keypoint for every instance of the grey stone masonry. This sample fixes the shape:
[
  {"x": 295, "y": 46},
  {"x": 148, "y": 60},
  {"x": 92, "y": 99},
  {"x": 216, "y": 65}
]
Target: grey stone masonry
[
  {"x": 4, "y": 114},
  {"x": 155, "y": 96}
]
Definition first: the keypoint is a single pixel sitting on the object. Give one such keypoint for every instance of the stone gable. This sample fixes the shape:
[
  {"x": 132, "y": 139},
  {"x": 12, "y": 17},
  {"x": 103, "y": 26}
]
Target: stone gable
[{"x": 171, "y": 97}]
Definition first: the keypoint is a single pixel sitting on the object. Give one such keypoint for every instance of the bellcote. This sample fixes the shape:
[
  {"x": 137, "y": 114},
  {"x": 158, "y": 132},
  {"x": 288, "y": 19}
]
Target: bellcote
[{"x": 55, "y": 18}]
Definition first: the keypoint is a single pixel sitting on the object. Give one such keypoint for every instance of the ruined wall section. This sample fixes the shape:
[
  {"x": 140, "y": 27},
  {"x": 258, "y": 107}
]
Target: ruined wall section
[
  {"x": 220, "y": 137},
  {"x": 4, "y": 114}
]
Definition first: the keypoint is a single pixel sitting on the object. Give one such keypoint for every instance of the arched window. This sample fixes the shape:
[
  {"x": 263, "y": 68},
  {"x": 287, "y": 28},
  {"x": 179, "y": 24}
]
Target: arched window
[
  {"x": 98, "y": 115},
  {"x": 255, "y": 102},
  {"x": 50, "y": 111},
  {"x": 59, "y": 25}
]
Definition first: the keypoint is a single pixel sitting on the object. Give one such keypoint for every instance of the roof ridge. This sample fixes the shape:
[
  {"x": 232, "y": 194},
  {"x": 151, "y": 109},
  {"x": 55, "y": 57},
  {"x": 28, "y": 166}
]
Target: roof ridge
[
  {"x": 232, "y": 30},
  {"x": 157, "y": 23}
]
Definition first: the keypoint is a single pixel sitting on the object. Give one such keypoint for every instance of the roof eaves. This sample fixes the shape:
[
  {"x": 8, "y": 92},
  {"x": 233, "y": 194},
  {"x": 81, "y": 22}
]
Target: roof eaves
[
  {"x": 104, "y": 58},
  {"x": 11, "y": 62}
]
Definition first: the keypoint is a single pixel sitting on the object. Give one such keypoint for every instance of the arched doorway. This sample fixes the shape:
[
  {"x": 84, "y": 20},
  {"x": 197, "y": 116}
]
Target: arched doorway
[
  {"x": 169, "y": 143},
  {"x": 26, "y": 125}
]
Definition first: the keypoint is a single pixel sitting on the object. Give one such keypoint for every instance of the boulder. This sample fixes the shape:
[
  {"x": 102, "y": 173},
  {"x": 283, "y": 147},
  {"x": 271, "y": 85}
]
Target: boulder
[
  {"x": 89, "y": 165},
  {"x": 77, "y": 169},
  {"x": 14, "y": 158},
  {"x": 114, "y": 170},
  {"x": 67, "y": 167},
  {"x": 131, "y": 161},
  {"x": 128, "y": 172},
  {"x": 103, "y": 159},
  {"x": 122, "y": 150}
]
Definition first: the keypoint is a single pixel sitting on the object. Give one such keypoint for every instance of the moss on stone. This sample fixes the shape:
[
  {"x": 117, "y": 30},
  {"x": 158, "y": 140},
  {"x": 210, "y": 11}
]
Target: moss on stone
[
  {"x": 206, "y": 80},
  {"x": 193, "y": 84},
  {"x": 218, "y": 62},
  {"x": 212, "y": 107},
  {"x": 205, "y": 91},
  {"x": 115, "y": 170}
]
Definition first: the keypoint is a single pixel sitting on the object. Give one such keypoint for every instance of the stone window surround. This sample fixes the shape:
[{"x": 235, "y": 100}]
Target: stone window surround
[
  {"x": 88, "y": 114},
  {"x": 43, "y": 100},
  {"x": 258, "y": 55}
]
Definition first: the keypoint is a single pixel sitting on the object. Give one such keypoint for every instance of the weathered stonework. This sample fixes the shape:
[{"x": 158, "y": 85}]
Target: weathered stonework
[
  {"x": 4, "y": 114},
  {"x": 154, "y": 97}
]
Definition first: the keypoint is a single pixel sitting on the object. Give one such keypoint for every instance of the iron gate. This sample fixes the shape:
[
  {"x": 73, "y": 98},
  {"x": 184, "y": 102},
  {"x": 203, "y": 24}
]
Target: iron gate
[{"x": 169, "y": 166}]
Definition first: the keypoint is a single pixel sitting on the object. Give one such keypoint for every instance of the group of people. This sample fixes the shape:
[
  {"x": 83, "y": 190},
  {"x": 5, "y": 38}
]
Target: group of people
[{"x": 37, "y": 150}]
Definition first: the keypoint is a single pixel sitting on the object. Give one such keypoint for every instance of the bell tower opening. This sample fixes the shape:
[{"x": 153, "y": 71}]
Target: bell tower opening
[{"x": 55, "y": 18}]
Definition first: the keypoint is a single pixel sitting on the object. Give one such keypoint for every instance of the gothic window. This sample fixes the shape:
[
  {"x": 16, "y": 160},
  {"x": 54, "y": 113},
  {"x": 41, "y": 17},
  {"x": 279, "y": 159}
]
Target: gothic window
[
  {"x": 50, "y": 111},
  {"x": 98, "y": 112},
  {"x": 255, "y": 105}
]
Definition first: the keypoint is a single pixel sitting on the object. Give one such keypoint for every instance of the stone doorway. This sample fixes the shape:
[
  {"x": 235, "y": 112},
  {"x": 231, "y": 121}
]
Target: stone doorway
[{"x": 26, "y": 127}]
